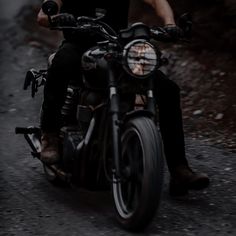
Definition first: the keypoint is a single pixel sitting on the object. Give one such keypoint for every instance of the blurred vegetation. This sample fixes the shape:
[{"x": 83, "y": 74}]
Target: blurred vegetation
[
  {"x": 214, "y": 21},
  {"x": 205, "y": 68}
]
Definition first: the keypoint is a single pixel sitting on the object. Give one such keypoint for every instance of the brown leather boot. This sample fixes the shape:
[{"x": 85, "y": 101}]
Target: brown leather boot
[
  {"x": 184, "y": 179},
  {"x": 50, "y": 148}
]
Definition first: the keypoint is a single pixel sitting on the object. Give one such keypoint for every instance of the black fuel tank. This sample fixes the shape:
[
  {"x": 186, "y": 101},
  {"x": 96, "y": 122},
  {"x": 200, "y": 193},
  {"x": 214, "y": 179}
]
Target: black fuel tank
[{"x": 94, "y": 68}]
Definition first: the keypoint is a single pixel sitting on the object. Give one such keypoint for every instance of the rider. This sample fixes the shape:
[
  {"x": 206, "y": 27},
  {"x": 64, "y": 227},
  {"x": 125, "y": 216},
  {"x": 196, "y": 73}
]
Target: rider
[{"x": 65, "y": 65}]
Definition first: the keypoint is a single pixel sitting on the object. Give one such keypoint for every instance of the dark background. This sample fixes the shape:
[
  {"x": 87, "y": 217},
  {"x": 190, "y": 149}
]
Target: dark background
[{"x": 205, "y": 68}]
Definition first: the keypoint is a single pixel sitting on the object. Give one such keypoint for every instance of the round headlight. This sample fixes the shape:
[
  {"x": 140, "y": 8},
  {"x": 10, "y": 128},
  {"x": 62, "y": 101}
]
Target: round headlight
[{"x": 140, "y": 58}]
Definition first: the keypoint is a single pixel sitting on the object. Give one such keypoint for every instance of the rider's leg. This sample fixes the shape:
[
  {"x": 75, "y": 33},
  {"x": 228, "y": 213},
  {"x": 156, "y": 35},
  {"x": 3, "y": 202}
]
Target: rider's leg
[
  {"x": 63, "y": 68},
  {"x": 171, "y": 126}
]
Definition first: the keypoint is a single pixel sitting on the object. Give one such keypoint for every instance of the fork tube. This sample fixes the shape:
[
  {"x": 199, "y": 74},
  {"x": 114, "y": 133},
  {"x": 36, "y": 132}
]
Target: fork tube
[
  {"x": 151, "y": 106},
  {"x": 114, "y": 112}
]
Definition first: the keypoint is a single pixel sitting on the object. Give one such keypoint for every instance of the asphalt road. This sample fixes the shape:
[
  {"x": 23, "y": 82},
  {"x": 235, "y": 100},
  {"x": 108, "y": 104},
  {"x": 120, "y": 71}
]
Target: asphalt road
[{"x": 29, "y": 205}]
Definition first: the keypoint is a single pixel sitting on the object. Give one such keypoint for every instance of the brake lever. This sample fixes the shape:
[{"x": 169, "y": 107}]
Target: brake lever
[{"x": 160, "y": 34}]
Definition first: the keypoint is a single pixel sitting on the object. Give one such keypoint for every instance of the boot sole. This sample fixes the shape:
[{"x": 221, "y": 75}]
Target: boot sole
[
  {"x": 179, "y": 191},
  {"x": 199, "y": 184}
]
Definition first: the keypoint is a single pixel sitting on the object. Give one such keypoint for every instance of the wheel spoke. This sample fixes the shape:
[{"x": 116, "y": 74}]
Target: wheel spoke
[{"x": 132, "y": 165}]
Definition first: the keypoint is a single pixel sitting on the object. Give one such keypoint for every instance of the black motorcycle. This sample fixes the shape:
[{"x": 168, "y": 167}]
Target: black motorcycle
[{"x": 110, "y": 139}]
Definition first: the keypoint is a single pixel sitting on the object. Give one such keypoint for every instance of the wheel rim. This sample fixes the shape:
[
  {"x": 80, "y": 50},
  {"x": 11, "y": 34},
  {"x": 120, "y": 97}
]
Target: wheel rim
[{"x": 128, "y": 191}]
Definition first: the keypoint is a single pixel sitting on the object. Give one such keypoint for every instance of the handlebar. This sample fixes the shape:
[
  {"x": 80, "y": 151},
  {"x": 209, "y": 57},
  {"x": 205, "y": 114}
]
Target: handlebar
[
  {"x": 160, "y": 34},
  {"x": 89, "y": 24}
]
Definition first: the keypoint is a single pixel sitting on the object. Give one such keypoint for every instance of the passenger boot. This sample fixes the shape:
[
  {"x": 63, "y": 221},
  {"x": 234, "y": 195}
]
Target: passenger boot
[
  {"x": 50, "y": 148},
  {"x": 184, "y": 179}
]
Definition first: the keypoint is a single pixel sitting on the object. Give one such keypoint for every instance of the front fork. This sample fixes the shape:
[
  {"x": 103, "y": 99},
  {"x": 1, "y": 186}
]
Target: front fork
[
  {"x": 115, "y": 124},
  {"x": 115, "y": 121},
  {"x": 151, "y": 105}
]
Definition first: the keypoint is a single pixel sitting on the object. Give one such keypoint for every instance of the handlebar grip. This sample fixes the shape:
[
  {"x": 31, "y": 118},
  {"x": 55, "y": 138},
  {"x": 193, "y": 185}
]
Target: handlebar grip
[{"x": 50, "y": 8}]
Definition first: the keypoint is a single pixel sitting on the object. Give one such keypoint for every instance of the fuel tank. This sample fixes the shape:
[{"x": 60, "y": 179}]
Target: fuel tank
[{"x": 94, "y": 68}]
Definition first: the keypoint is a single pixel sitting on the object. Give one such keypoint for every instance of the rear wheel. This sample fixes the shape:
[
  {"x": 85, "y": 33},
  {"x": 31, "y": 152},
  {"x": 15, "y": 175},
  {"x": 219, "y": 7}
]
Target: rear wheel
[{"x": 137, "y": 195}]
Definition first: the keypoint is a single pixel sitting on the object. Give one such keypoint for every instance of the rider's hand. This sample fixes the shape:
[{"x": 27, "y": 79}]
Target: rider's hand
[
  {"x": 42, "y": 19},
  {"x": 63, "y": 20},
  {"x": 174, "y": 31}
]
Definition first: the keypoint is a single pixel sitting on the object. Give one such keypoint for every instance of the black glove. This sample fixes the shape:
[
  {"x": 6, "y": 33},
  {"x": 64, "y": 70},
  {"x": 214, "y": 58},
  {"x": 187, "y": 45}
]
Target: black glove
[
  {"x": 64, "y": 19},
  {"x": 174, "y": 31}
]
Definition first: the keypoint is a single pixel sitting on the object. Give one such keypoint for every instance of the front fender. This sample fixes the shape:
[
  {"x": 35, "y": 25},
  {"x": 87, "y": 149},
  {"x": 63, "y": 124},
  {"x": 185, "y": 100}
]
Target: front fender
[{"x": 138, "y": 113}]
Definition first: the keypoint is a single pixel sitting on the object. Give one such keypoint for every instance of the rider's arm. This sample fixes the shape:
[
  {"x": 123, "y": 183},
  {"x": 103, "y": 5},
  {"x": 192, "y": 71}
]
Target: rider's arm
[
  {"x": 163, "y": 10},
  {"x": 42, "y": 18}
]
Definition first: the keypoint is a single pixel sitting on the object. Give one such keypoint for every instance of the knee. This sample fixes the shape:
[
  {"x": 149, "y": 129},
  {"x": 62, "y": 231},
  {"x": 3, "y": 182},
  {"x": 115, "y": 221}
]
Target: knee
[
  {"x": 166, "y": 87},
  {"x": 173, "y": 88},
  {"x": 66, "y": 58},
  {"x": 50, "y": 59},
  {"x": 63, "y": 63}
]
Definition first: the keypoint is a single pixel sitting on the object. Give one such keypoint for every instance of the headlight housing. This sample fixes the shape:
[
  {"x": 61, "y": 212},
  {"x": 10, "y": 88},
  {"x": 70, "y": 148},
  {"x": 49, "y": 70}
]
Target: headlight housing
[{"x": 140, "y": 58}]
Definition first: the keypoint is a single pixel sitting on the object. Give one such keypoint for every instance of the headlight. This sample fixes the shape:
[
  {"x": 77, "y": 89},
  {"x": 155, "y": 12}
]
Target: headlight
[{"x": 140, "y": 58}]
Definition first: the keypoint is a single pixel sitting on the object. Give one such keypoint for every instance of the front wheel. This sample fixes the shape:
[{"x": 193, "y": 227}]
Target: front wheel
[{"x": 137, "y": 194}]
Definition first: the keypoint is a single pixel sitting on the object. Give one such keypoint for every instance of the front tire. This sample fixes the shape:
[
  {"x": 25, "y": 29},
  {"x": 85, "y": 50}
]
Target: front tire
[{"x": 138, "y": 194}]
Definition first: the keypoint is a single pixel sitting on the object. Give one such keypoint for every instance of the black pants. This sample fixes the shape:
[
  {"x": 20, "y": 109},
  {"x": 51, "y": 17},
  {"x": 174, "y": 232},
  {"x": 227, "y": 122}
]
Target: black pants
[{"x": 65, "y": 66}]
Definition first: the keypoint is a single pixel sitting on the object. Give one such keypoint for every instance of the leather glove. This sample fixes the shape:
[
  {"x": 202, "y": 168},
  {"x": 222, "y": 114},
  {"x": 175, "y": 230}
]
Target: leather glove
[
  {"x": 174, "y": 31},
  {"x": 64, "y": 19}
]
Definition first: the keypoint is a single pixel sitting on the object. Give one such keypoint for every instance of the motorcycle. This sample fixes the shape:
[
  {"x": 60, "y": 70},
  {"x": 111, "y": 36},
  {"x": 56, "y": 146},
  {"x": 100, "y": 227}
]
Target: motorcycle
[{"x": 110, "y": 139}]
